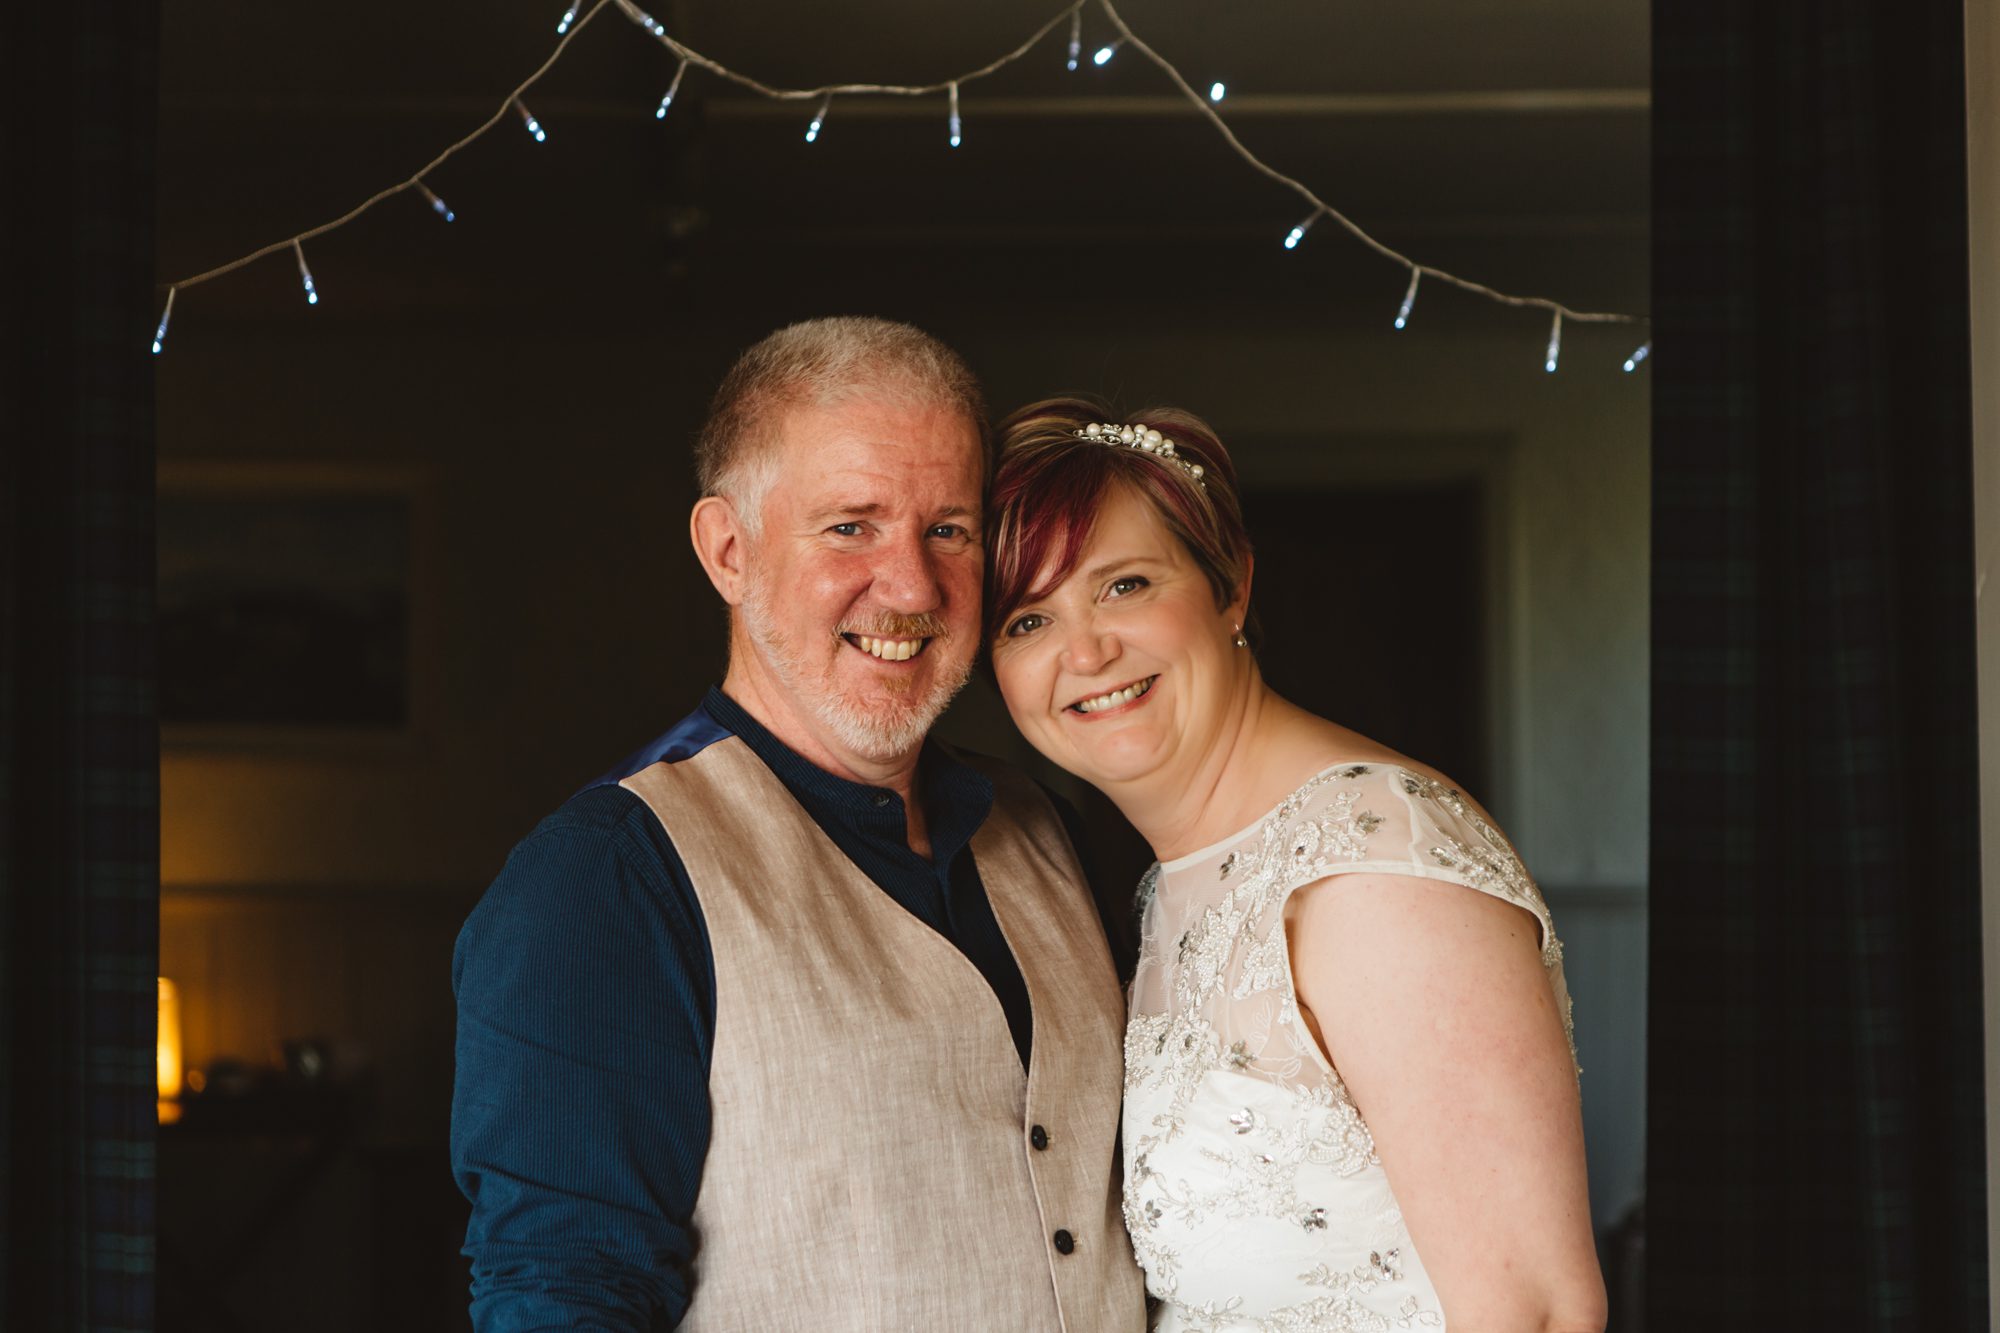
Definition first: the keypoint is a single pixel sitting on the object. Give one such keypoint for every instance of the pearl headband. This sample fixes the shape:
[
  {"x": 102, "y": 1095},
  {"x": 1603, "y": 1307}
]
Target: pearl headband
[{"x": 1140, "y": 436}]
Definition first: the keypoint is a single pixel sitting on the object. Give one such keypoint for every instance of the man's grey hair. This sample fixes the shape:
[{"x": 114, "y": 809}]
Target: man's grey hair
[{"x": 819, "y": 363}]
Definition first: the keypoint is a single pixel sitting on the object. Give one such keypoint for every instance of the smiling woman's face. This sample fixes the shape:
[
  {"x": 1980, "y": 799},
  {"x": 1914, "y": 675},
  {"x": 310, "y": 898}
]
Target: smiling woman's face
[{"x": 1124, "y": 670}]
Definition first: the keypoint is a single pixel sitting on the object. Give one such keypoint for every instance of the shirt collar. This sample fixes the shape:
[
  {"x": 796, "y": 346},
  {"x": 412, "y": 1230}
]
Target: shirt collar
[{"x": 957, "y": 797}]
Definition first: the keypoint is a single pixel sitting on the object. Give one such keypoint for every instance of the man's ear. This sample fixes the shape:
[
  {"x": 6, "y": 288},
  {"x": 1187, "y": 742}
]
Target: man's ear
[{"x": 720, "y": 544}]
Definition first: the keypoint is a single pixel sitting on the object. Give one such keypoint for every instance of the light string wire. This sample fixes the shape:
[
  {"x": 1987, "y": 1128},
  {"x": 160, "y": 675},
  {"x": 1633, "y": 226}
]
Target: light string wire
[
  {"x": 1354, "y": 229},
  {"x": 825, "y": 92},
  {"x": 694, "y": 57},
  {"x": 506, "y": 105}
]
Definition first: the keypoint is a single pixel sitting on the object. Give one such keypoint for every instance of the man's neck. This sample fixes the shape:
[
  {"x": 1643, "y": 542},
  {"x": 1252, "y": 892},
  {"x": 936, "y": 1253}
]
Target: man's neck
[{"x": 766, "y": 699}]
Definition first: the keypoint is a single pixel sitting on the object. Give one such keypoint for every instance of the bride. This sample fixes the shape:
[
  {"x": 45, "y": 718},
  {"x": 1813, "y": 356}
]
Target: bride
[{"x": 1350, "y": 1090}]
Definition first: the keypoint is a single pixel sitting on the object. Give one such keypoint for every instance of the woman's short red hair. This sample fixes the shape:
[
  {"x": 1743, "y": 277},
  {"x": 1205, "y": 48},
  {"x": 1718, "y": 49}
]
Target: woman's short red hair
[{"x": 1049, "y": 484}]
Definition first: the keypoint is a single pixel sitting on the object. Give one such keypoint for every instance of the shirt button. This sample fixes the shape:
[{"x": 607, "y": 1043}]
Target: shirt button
[
  {"x": 1039, "y": 1137},
  {"x": 1064, "y": 1242},
  {"x": 881, "y": 798}
]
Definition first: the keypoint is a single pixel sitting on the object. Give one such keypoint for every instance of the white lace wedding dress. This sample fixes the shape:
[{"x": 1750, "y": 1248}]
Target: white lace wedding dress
[{"x": 1253, "y": 1192}]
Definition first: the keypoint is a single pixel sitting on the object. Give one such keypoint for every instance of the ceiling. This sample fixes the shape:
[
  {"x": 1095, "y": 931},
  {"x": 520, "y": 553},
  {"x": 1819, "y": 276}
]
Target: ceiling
[
  {"x": 1506, "y": 141},
  {"x": 229, "y": 50}
]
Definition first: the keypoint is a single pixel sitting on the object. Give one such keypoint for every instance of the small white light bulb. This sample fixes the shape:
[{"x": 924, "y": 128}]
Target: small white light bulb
[
  {"x": 1298, "y": 233},
  {"x": 1409, "y": 298},
  {"x": 954, "y": 114},
  {"x": 819, "y": 118},
  {"x": 305, "y": 275},
  {"x": 672, "y": 88},
  {"x": 1104, "y": 54},
  {"x": 1555, "y": 343},
  {"x": 160, "y": 334},
  {"x": 438, "y": 205},
  {"x": 569, "y": 17},
  {"x": 534, "y": 126},
  {"x": 1631, "y": 362},
  {"x": 1075, "y": 37},
  {"x": 1216, "y": 91}
]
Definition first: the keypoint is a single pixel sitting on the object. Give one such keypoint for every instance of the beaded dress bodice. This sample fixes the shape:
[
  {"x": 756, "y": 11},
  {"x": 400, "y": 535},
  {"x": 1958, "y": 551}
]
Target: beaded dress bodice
[{"x": 1253, "y": 1192}]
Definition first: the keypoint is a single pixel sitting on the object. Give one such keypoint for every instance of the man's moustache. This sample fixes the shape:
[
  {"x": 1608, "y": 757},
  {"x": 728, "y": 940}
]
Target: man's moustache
[{"x": 925, "y": 626}]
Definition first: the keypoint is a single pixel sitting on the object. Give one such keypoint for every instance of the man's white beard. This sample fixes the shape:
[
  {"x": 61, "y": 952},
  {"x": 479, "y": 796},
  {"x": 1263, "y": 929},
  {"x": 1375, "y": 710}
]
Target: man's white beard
[{"x": 882, "y": 730}]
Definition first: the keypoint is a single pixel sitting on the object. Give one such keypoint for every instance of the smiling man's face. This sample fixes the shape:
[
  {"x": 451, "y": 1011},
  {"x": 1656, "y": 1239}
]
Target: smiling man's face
[{"x": 861, "y": 589}]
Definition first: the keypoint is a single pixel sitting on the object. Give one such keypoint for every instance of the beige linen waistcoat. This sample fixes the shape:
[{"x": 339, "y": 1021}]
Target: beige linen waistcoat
[{"x": 872, "y": 1163}]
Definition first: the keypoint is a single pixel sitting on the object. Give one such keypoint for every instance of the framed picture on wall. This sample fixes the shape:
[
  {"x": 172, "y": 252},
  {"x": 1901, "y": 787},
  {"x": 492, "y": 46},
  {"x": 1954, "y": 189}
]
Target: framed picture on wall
[{"x": 287, "y": 603}]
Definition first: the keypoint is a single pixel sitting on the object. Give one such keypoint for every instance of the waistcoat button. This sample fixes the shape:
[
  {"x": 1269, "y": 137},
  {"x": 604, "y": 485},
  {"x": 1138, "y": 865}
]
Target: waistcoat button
[
  {"x": 1039, "y": 1137},
  {"x": 1064, "y": 1242}
]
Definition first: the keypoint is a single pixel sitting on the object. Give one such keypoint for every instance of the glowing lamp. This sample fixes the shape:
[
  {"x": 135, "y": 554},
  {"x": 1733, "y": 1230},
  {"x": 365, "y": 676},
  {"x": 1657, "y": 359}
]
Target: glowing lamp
[{"x": 167, "y": 1050}]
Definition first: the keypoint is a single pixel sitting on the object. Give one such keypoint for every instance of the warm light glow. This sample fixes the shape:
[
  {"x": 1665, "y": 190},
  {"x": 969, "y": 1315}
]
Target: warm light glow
[{"x": 167, "y": 1047}]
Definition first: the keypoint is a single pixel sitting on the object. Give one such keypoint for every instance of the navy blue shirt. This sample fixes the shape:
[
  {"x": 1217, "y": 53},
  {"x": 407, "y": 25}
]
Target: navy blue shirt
[{"x": 586, "y": 1018}]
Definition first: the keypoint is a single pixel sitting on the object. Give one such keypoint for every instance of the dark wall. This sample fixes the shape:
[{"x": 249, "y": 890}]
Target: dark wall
[{"x": 530, "y": 376}]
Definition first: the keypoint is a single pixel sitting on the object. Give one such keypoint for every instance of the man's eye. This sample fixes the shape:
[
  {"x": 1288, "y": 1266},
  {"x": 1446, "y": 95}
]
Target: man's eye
[
  {"x": 947, "y": 531},
  {"x": 845, "y": 529},
  {"x": 1129, "y": 584},
  {"x": 1027, "y": 624}
]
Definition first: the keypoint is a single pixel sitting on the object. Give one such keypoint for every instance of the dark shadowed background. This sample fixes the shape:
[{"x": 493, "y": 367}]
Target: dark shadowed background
[{"x": 481, "y": 436}]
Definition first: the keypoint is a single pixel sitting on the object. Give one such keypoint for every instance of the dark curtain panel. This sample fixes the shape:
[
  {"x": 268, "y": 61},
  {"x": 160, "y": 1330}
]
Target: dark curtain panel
[
  {"x": 79, "y": 747},
  {"x": 1815, "y": 1108}
]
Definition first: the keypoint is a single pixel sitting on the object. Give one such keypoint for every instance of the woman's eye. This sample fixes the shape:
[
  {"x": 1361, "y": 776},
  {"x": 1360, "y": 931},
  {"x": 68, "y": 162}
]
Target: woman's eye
[
  {"x": 1121, "y": 587},
  {"x": 1027, "y": 624}
]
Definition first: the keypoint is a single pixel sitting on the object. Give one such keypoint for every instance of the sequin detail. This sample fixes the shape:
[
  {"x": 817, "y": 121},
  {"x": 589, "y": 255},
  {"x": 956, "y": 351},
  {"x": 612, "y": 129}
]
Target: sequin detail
[
  {"x": 1492, "y": 867},
  {"x": 1253, "y": 1191}
]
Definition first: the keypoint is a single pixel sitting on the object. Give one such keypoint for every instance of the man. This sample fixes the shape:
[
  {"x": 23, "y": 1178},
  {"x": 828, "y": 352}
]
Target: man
[{"x": 796, "y": 1020}]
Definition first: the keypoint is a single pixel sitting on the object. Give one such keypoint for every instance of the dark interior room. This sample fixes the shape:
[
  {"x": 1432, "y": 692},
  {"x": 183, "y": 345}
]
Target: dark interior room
[{"x": 330, "y": 572}]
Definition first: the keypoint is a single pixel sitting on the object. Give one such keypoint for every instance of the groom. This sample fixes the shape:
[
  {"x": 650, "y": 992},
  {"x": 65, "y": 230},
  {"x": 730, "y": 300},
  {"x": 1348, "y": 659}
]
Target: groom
[{"x": 795, "y": 1019}]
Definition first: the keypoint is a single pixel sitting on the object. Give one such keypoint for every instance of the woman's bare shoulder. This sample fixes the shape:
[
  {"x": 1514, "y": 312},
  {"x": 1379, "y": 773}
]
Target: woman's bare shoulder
[{"x": 1326, "y": 744}]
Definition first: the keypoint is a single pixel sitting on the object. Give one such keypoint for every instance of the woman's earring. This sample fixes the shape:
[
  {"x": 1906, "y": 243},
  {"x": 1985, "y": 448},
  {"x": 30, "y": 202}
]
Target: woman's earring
[{"x": 1240, "y": 641}]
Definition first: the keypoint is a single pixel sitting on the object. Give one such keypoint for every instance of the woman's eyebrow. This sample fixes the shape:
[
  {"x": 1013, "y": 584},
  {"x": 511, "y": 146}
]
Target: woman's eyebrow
[{"x": 1108, "y": 567}]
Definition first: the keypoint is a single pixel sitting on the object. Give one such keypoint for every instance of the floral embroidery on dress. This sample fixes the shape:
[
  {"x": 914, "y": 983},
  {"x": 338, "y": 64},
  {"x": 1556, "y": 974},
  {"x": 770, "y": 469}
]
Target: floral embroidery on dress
[
  {"x": 1149, "y": 884},
  {"x": 1494, "y": 869},
  {"x": 1244, "y": 1148}
]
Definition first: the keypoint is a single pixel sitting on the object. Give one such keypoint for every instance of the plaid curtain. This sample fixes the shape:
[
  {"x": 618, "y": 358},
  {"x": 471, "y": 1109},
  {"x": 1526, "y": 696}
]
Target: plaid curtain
[
  {"x": 1815, "y": 1110},
  {"x": 79, "y": 745}
]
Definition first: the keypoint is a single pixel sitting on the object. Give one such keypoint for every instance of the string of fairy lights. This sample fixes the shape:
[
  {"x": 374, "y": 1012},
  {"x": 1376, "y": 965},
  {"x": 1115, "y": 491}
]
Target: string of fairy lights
[{"x": 577, "y": 17}]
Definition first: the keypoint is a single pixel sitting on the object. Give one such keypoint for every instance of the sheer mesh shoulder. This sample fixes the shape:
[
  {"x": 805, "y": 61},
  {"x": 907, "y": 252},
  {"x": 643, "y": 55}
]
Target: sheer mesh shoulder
[
  {"x": 1243, "y": 1145},
  {"x": 1214, "y": 948}
]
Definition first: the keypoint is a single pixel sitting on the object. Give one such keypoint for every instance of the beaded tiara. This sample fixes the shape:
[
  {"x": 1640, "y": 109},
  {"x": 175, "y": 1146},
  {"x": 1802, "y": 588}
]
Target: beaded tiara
[{"x": 1139, "y": 436}]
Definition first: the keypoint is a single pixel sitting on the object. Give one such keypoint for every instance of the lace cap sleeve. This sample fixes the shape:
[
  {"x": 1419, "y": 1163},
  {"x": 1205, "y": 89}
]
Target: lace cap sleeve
[
  {"x": 1450, "y": 840},
  {"x": 1428, "y": 829}
]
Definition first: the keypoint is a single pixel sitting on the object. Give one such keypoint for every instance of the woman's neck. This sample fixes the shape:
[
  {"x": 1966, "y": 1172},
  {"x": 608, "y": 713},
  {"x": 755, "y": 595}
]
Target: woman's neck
[{"x": 1234, "y": 777}]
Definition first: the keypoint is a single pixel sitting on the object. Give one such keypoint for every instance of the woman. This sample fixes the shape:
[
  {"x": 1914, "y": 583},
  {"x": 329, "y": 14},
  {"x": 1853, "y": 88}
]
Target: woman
[{"x": 1350, "y": 1096}]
